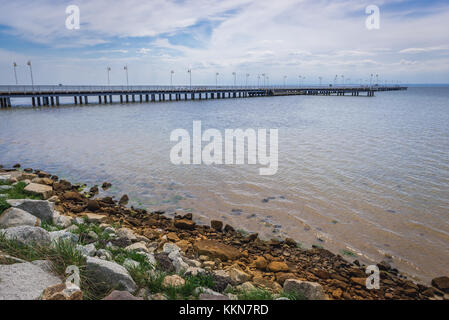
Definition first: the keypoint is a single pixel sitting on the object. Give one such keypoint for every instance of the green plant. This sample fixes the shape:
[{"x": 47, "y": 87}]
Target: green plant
[
  {"x": 347, "y": 253},
  {"x": 3, "y": 205}
]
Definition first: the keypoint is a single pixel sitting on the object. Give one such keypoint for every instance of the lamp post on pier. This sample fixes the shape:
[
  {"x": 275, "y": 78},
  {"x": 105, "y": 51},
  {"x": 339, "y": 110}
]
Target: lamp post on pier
[
  {"x": 126, "y": 71},
  {"x": 234, "y": 74},
  {"x": 31, "y": 73},
  {"x": 171, "y": 77},
  {"x": 108, "y": 70},
  {"x": 15, "y": 72},
  {"x": 189, "y": 71}
]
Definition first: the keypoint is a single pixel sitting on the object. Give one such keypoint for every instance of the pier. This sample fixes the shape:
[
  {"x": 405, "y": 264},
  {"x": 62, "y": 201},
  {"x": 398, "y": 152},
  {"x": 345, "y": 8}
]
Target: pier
[{"x": 83, "y": 95}]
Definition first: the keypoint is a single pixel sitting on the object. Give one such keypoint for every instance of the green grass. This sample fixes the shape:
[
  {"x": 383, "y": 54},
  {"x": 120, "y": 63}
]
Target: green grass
[
  {"x": 348, "y": 253},
  {"x": 84, "y": 229},
  {"x": 17, "y": 192},
  {"x": 50, "y": 226},
  {"x": 3, "y": 205}
]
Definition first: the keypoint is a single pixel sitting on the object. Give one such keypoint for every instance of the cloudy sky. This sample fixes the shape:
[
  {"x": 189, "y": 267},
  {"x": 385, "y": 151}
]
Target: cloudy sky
[{"x": 311, "y": 38}]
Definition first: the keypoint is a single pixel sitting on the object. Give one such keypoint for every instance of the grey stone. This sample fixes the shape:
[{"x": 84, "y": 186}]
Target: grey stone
[
  {"x": 310, "y": 290},
  {"x": 63, "y": 235},
  {"x": 4, "y": 188},
  {"x": 194, "y": 271},
  {"x": 129, "y": 264},
  {"x": 87, "y": 250},
  {"x": 103, "y": 254},
  {"x": 41, "y": 209},
  {"x": 14, "y": 217},
  {"x": 24, "y": 281},
  {"x": 110, "y": 274},
  {"x": 28, "y": 235},
  {"x": 62, "y": 221}
]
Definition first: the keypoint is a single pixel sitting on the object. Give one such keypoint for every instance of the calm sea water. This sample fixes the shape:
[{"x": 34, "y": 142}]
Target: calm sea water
[{"x": 367, "y": 175}]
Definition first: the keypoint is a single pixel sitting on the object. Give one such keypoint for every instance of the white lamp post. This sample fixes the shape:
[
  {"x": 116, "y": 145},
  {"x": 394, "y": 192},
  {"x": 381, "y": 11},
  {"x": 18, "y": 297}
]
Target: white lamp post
[
  {"x": 109, "y": 70},
  {"x": 126, "y": 71},
  {"x": 31, "y": 72},
  {"x": 15, "y": 73},
  {"x": 171, "y": 77},
  {"x": 189, "y": 71}
]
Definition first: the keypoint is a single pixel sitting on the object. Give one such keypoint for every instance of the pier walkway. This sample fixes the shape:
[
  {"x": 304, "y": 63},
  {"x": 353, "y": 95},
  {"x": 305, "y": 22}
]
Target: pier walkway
[{"x": 50, "y": 95}]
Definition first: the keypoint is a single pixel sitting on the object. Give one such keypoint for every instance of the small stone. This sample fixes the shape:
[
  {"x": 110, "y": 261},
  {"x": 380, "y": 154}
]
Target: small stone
[
  {"x": 216, "y": 249},
  {"x": 63, "y": 235},
  {"x": 138, "y": 246},
  {"x": 39, "y": 189},
  {"x": 124, "y": 200},
  {"x": 173, "y": 281},
  {"x": 93, "y": 217},
  {"x": 310, "y": 290},
  {"x": 92, "y": 205},
  {"x": 121, "y": 295},
  {"x": 260, "y": 263},
  {"x": 14, "y": 217},
  {"x": 277, "y": 266},
  {"x": 171, "y": 236},
  {"x": 110, "y": 273},
  {"x": 217, "y": 225},
  {"x": 91, "y": 234},
  {"x": 441, "y": 283},
  {"x": 27, "y": 235},
  {"x": 184, "y": 224},
  {"x": 126, "y": 233},
  {"x": 44, "y": 210},
  {"x": 238, "y": 276},
  {"x": 87, "y": 250},
  {"x": 63, "y": 291}
]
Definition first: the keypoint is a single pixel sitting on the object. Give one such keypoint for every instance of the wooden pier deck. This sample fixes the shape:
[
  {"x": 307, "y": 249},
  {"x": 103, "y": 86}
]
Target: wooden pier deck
[{"x": 50, "y": 95}]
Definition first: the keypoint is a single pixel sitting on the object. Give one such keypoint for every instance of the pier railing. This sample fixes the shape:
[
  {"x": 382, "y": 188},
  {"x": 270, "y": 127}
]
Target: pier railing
[{"x": 29, "y": 89}]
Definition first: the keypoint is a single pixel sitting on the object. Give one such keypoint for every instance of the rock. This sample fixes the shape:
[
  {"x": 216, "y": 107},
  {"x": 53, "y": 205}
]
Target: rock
[
  {"x": 267, "y": 284},
  {"x": 110, "y": 273},
  {"x": 359, "y": 281},
  {"x": 260, "y": 263},
  {"x": 126, "y": 233},
  {"x": 24, "y": 281},
  {"x": 63, "y": 235},
  {"x": 217, "y": 225},
  {"x": 28, "y": 235},
  {"x": 74, "y": 196},
  {"x": 138, "y": 246},
  {"x": 87, "y": 250},
  {"x": 164, "y": 262},
  {"x": 14, "y": 217},
  {"x": 310, "y": 290},
  {"x": 5, "y": 177},
  {"x": 5, "y": 188},
  {"x": 245, "y": 287},
  {"x": 150, "y": 258},
  {"x": 158, "y": 296},
  {"x": 290, "y": 242},
  {"x": 184, "y": 224},
  {"x": 92, "y": 235},
  {"x": 106, "y": 185},
  {"x": 238, "y": 276},
  {"x": 194, "y": 271},
  {"x": 183, "y": 244},
  {"x": 441, "y": 283},
  {"x": 62, "y": 221},
  {"x": 171, "y": 236},
  {"x": 123, "y": 200},
  {"x": 179, "y": 264},
  {"x": 93, "y": 205},
  {"x": 216, "y": 249},
  {"x": 173, "y": 281},
  {"x": 39, "y": 189},
  {"x": 34, "y": 179},
  {"x": 121, "y": 295},
  {"x": 228, "y": 228},
  {"x": 62, "y": 291},
  {"x": 277, "y": 266},
  {"x": 103, "y": 254},
  {"x": 93, "y": 217},
  {"x": 170, "y": 247},
  {"x": 44, "y": 210},
  {"x": 130, "y": 264},
  {"x": 207, "y": 296},
  {"x": 282, "y": 276}
]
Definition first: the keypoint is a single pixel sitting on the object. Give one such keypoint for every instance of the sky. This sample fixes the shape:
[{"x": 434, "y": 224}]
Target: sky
[{"x": 296, "y": 41}]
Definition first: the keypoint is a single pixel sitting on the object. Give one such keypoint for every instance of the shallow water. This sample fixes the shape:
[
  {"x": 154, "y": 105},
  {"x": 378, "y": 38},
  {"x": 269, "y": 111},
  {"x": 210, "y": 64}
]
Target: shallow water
[{"x": 368, "y": 175}]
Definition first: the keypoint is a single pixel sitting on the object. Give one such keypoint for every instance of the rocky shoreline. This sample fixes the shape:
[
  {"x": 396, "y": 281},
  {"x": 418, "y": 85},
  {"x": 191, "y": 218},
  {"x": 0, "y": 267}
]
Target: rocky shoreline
[{"x": 129, "y": 253}]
